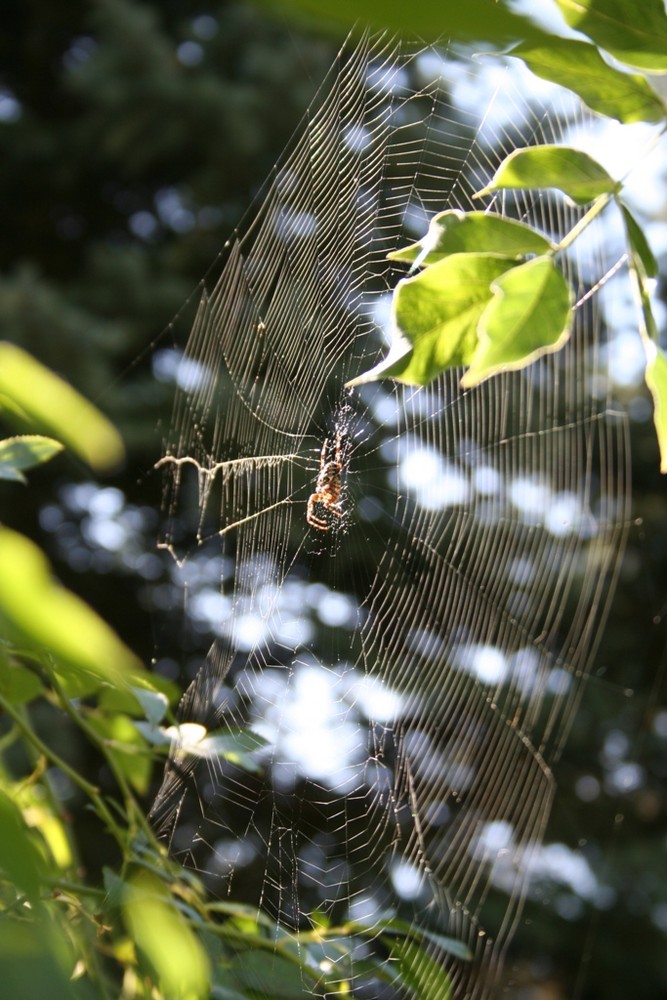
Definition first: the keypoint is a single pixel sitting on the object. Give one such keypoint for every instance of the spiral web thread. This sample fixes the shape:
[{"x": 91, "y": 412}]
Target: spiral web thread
[{"x": 443, "y": 626}]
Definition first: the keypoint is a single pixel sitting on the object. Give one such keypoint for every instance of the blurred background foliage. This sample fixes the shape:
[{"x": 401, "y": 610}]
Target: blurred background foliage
[{"x": 133, "y": 137}]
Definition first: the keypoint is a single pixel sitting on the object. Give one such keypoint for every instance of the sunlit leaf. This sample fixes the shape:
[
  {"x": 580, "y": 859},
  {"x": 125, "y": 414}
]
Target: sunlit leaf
[
  {"x": 19, "y": 856},
  {"x": 577, "y": 174},
  {"x": 24, "y": 452},
  {"x": 194, "y": 740},
  {"x": 579, "y": 66},
  {"x": 530, "y": 315},
  {"x": 635, "y": 31},
  {"x": 639, "y": 243},
  {"x": 391, "y": 366},
  {"x": 435, "y": 317},
  {"x": 164, "y": 939},
  {"x": 154, "y": 704},
  {"x": 52, "y": 405},
  {"x": 454, "y": 231},
  {"x": 39, "y": 817},
  {"x": 11, "y": 411},
  {"x": 421, "y": 974},
  {"x": 655, "y": 372},
  {"x": 126, "y": 746},
  {"x": 54, "y": 621},
  {"x": 473, "y": 19},
  {"x": 656, "y": 380}
]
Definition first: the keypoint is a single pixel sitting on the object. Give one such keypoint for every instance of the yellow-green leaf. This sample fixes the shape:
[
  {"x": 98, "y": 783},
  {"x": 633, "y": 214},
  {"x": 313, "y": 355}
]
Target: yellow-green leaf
[
  {"x": 435, "y": 317},
  {"x": 656, "y": 380},
  {"x": 127, "y": 747},
  {"x": 530, "y": 315},
  {"x": 639, "y": 244},
  {"x": 53, "y": 620},
  {"x": 579, "y": 66},
  {"x": 577, "y": 174},
  {"x": 163, "y": 937},
  {"x": 424, "y": 977},
  {"x": 19, "y": 857},
  {"x": 50, "y": 404},
  {"x": 41, "y": 817},
  {"x": 454, "y": 231},
  {"x": 24, "y": 452},
  {"x": 634, "y": 31}
]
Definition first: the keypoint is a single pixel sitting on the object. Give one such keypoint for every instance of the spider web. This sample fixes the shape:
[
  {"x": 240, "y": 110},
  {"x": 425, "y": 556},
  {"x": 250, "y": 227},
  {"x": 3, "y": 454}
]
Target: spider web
[{"x": 413, "y": 669}]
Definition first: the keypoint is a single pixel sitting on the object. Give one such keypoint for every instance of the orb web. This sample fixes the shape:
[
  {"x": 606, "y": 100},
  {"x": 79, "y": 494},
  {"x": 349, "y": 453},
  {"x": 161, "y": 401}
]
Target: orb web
[{"x": 412, "y": 664}]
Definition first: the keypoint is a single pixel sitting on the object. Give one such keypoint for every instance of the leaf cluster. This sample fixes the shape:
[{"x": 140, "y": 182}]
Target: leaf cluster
[{"x": 490, "y": 296}]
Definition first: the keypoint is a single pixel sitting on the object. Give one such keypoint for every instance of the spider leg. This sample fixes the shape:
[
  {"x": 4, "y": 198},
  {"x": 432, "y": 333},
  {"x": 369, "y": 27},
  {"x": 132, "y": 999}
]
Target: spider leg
[
  {"x": 311, "y": 517},
  {"x": 339, "y": 447}
]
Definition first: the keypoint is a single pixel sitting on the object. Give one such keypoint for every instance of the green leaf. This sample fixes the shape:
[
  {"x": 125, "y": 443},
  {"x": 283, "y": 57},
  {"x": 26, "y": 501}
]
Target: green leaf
[
  {"x": 243, "y": 911},
  {"x": 53, "y": 620},
  {"x": 24, "y": 452},
  {"x": 36, "y": 961},
  {"x": 165, "y": 940},
  {"x": 153, "y": 703},
  {"x": 579, "y": 66},
  {"x": 19, "y": 856},
  {"x": 530, "y": 315},
  {"x": 115, "y": 888},
  {"x": 473, "y": 19},
  {"x": 51, "y": 405},
  {"x": 655, "y": 373},
  {"x": 435, "y": 317},
  {"x": 639, "y": 244},
  {"x": 402, "y": 928},
  {"x": 424, "y": 977},
  {"x": 574, "y": 172},
  {"x": 126, "y": 746},
  {"x": 454, "y": 231},
  {"x": 18, "y": 685},
  {"x": 634, "y": 31},
  {"x": 449, "y": 945},
  {"x": 656, "y": 380},
  {"x": 270, "y": 975}
]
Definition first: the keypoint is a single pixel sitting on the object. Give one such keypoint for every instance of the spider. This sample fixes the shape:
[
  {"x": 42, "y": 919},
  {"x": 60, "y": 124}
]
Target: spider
[{"x": 327, "y": 487}]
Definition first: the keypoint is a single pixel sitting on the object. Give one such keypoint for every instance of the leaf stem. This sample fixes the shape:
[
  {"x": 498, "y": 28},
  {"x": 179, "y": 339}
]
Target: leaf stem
[
  {"x": 598, "y": 206},
  {"x": 85, "y": 786},
  {"x": 133, "y": 810}
]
